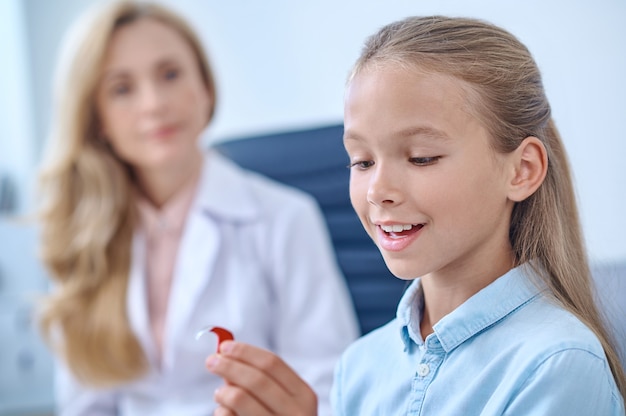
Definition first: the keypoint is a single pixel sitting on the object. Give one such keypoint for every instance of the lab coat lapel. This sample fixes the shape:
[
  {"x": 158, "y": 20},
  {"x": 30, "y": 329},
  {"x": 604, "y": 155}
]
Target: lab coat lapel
[
  {"x": 222, "y": 196},
  {"x": 197, "y": 255}
]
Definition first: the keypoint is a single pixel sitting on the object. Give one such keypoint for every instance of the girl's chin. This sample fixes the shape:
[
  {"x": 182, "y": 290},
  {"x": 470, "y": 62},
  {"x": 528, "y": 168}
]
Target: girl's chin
[{"x": 401, "y": 270}]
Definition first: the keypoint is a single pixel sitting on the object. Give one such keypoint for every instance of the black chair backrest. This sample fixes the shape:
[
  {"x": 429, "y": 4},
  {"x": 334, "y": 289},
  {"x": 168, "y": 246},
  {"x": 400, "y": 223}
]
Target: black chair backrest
[{"x": 314, "y": 160}]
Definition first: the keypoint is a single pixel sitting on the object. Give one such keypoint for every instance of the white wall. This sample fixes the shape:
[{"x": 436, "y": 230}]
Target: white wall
[
  {"x": 282, "y": 64},
  {"x": 17, "y": 147}
]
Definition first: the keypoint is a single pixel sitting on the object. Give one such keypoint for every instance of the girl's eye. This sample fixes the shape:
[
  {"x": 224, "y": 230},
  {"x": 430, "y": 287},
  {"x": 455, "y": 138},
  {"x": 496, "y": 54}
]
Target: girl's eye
[
  {"x": 361, "y": 165},
  {"x": 424, "y": 161}
]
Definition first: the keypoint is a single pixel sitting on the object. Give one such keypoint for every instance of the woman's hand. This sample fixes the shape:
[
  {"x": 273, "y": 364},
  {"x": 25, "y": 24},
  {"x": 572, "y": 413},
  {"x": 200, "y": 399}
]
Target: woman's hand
[{"x": 258, "y": 383}]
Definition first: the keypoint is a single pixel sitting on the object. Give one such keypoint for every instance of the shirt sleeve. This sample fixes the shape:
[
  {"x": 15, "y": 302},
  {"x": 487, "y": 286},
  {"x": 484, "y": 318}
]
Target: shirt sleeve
[
  {"x": 73, "y": 399},
  {"x": 316, "y": 318},
  {"x": 572, "y": 382}
]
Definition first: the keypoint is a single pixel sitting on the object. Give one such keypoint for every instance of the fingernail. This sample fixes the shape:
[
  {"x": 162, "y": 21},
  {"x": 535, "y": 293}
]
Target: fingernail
[
  {"x": 212, "y": 361},
  {"x": 226, "y": 347}
]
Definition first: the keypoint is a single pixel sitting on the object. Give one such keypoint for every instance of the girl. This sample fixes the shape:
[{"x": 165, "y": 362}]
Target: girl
[
  {"x": 460, "y": 177},
  {"x": 149, "y": 240}
]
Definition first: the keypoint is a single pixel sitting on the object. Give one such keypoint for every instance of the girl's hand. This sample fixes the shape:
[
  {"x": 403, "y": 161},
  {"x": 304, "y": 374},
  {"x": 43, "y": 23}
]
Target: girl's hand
[{"x": 258, "y": 383}]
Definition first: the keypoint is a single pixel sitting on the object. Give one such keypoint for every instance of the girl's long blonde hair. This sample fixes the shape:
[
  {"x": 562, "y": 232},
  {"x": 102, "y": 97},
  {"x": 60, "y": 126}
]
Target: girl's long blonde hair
[
  {"x": 510, "y": 100},
  {"x": 87, "y": 210}
]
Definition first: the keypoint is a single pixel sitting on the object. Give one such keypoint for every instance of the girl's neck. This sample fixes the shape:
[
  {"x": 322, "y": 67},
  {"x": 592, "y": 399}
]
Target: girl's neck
[
  {"x": 160, "y": 185},
  {"x": 444, "y": 292}
]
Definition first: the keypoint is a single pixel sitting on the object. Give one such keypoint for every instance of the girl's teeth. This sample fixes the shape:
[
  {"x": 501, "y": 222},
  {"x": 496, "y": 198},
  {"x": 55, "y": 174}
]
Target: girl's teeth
[{"x": 396, "y": 228}]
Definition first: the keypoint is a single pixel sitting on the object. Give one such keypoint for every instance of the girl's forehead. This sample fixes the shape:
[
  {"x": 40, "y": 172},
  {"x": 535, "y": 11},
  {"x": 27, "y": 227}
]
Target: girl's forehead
[
  {"x": 407, "y": 84},
  {"x": 410, "y": 81},
  {"x": 386, "y": 100}
]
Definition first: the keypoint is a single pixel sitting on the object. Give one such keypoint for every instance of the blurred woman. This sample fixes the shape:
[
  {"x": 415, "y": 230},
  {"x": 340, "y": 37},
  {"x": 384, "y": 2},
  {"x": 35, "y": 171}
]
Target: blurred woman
[{"x": 148, "y": 239}]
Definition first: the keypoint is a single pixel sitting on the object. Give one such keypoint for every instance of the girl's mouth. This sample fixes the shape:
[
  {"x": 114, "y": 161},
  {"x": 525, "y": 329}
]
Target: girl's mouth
[
  {"x": 400, "y": 230},
  {"x": 397, "y": 237}
]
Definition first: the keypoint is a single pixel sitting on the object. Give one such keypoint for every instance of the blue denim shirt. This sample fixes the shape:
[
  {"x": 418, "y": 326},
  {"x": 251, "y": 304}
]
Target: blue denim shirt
[{"x": 508, "y": 350}]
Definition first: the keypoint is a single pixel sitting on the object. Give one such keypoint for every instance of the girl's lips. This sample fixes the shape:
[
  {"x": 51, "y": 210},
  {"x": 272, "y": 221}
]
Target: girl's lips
[{"x": 398, "y": 241}]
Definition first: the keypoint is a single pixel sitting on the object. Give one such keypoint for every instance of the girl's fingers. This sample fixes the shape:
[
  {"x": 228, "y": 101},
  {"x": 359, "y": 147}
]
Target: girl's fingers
[
  {"x": 223, "y": 411},
  {"x": 267, "y": 362},
  {"x": 258, "y": 382},
  {"x": 237, "y": 401},
  {"x": 249, "y": 388}
]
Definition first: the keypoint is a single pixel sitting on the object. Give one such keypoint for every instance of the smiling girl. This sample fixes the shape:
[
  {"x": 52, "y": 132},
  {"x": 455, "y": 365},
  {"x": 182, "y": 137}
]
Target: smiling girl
[{"x": 460, "y": 177}]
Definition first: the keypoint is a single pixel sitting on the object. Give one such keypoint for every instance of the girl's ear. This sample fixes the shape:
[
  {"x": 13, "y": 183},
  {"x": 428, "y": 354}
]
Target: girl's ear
[{"x": 530, "y": 161}]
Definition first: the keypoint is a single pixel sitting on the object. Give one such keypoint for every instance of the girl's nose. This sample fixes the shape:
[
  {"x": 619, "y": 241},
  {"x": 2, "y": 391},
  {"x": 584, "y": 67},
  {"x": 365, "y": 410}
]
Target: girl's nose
[{"x": 384, "y": 187}]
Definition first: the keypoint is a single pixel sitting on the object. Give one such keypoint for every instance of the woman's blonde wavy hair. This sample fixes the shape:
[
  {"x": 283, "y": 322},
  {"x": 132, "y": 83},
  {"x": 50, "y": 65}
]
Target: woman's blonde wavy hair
[
  {"x": 508, "y": 96},
  {"x": 87, "y": 210}
]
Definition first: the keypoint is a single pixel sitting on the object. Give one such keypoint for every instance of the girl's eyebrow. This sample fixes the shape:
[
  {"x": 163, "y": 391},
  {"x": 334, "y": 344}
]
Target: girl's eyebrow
[
  {"x": 423, "y": 131},
  {"x": 348, "y": 135},
  {"x": 426, "y": 132}
]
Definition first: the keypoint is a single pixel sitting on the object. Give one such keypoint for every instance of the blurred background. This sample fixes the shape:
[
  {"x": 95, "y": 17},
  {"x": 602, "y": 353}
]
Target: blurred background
[{"x": 281, "y": 65}]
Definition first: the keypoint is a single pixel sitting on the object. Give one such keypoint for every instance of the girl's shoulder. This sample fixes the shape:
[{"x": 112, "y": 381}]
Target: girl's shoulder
[{"x": 545, "y": 325}]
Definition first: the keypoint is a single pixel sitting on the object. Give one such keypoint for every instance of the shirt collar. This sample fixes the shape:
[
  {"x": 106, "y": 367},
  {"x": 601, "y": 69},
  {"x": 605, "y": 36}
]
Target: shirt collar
[
  {"x": 485, "y": 308},
  {"x": 409, "y": 314}
]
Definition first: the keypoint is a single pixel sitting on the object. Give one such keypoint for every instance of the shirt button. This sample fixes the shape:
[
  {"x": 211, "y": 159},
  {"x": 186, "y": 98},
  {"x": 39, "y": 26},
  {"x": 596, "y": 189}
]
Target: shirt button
[{"x": 423, "y": 370}]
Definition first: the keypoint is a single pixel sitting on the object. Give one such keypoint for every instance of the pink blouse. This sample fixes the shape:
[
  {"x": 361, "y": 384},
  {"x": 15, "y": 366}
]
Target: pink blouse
[{"x": 163, "y": 230}]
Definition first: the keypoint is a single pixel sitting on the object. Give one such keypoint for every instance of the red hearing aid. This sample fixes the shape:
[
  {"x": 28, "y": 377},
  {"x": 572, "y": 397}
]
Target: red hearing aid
[{"x": 222, "y": 334}]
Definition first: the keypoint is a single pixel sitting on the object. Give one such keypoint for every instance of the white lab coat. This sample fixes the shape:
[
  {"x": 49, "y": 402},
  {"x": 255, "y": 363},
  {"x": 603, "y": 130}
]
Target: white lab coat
[{"x": 255, "y": 257}]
